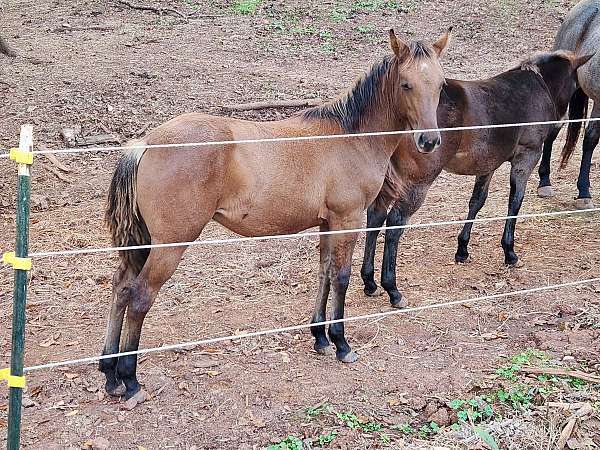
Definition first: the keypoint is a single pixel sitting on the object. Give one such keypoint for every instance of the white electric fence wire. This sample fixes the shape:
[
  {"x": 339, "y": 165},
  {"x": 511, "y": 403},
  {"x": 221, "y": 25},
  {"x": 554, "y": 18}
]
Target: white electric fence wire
[
  {"x": 255, "y": 334},
  {"x": 303, "y": 235},
  {"x": 305, "y": 138}
]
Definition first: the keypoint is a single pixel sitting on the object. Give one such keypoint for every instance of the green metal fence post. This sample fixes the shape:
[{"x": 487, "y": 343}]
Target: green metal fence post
[{"x": 21, "y": 264}]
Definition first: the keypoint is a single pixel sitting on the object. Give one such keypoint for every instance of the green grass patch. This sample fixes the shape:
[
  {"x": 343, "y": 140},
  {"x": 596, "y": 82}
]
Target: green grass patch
[
  {"x": 339, "y": 14},
  {"x": 365, "y": 29},
  {"x": 246, "y": 7},
  {"x": 374, "y": 5},
  {"x": 325, "y": 439},
  {"x": 314, "y": 412},
  {"x": 354, "y": 423},
  {"x": 289, "y": 443}
]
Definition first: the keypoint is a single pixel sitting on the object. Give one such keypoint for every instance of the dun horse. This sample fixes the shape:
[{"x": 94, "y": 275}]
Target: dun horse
[
  {"x": 580, "y": 33},
  {"x": 162, "y": 195},
  {"x": 538, "y": 90}
]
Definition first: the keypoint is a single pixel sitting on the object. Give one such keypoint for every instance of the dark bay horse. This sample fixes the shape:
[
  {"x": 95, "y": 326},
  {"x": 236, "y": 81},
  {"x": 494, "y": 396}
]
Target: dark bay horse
[
  {"x": 580, "y": 33},
  {"x": 164, "y": 195},
  {"x": 538, "y": 90}
]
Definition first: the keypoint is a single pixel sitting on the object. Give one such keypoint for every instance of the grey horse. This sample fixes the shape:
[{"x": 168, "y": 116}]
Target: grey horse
[{"x": 579, "y": 33}]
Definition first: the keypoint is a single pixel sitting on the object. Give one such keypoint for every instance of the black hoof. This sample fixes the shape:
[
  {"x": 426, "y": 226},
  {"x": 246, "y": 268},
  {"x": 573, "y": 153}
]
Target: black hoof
[
  {"x": 397, "y": 300},
  {"x": 370, "y": 288},
  {"x": 327, "y": 350},
  {"x": 348, "y": 357},
  {"x": 461, "y": 257},
  {"x": 132, "y": 390},
  {"x": 511, "y": 259},
  {"x": 114, "y": 387}
]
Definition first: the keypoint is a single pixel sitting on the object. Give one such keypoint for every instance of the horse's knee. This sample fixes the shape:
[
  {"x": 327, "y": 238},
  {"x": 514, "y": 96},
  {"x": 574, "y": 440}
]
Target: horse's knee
[
  {"x": 137, "y": 298},
  {"x": 341, "y": 279},
  {"x": 139, "y": 306}
]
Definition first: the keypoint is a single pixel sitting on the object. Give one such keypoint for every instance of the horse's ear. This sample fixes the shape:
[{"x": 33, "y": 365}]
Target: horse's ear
[
  {"x": 398, "y": 45},
  {"x": 578, "y": 62},
  {"x": 440, "y": 45}
]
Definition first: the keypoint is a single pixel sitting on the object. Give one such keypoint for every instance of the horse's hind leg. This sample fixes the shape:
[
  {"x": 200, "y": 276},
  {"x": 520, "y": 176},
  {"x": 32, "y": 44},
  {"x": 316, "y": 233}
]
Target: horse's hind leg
[
  {"x": 376, "y": 215},
  {"x": 388, "y": 271},
  {"x": 590, "y": 141},
  {"x": 478, "y": 198},
  {"x": 159, "y": 267},
  {"x": 321, "y": 342},
  {"x": 545, "y": 186},
  {"x": 521, "y": 167},
  {"x": 121, "y": 279}
]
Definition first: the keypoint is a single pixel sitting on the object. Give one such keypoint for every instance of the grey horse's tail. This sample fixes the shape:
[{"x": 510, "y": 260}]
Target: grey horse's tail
[
  {"x": 126, "y": 225},
  {"x": 578, "y": 109}
]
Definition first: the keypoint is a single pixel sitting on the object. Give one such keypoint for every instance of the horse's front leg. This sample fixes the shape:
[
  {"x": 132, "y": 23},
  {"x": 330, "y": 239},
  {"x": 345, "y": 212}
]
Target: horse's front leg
[
  {"x": 590, "y": 141},
  {"x": 341, "y": 247},
  {"x": 320, "y": 313},
  {"x": 376, "y": 215},
  {"x": 545, "y": 186},
  {"x": 159, "y": 267},
  {"x": 478, "y": 198},
  {"x": 388, "y": 271},
  {"x": 521, "y": 168}
]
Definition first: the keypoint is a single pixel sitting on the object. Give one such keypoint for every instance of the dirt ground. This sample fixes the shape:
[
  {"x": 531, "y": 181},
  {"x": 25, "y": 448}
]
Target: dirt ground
[{"x": 106, "y": 67}]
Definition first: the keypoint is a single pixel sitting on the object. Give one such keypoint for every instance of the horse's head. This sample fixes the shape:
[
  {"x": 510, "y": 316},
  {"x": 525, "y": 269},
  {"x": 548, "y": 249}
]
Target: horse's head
[
  {"x": 559, "y": 71},
  {"x": 419, "y": 79}
]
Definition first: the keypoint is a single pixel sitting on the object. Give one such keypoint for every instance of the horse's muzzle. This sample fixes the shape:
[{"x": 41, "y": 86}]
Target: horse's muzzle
[{"x": 428, "y": 142}]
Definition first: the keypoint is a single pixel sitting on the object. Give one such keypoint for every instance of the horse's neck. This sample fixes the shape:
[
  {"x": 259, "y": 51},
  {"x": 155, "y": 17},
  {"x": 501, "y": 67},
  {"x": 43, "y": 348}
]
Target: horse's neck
[
  {"x": 554, "y": 85},
  {"x": 384, "y": 119}
]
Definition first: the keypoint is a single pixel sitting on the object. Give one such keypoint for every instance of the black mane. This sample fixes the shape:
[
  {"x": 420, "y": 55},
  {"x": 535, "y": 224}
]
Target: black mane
[{"x": 348, "y": 110}]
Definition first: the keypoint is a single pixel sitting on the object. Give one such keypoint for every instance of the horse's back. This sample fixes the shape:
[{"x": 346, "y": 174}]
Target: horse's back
[
  {"x": 580, "y": 33},
  {"x": 570, "y": 33},
  {"x": 513, "y": 96}
]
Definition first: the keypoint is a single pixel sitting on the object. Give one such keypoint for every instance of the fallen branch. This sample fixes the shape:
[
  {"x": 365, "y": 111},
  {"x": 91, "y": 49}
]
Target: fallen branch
[
  {"x": 562, "y": 373},
  {"x": 158, "y": 10},
  {"x": 274, "y": 104},
  {"x": 57, "y": 173},
  {"x": 54, "y": 160},
  {"x": 64, "y": 28},
  {"x": 6, "y": 49}
]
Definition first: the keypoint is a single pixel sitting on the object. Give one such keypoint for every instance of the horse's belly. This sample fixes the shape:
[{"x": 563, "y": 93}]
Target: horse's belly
[
  {"x": 480, "y": 161},
  {"x": 258, "y": 220}
]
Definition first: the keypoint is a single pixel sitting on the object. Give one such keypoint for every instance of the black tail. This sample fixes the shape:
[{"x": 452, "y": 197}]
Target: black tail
[
  {"x": 578, "y": 109},
  {"x": 126, "y": 225}
]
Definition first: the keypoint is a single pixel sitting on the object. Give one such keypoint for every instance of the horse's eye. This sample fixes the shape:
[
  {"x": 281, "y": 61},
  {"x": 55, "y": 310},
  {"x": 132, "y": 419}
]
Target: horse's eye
[{"x": 406, "y": 86}]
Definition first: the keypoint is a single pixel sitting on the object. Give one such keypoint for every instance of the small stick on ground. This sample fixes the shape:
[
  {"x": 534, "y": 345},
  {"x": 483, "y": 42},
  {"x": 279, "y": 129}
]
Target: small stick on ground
[
  {"x": 566, "y": 434},
  {"x": 158, "y": 10},
  {"x": 66, "y": 28},
  {"x": 6, "y": 49},
  {"x": 562, "y": 373},
  {"x": 54, "y": 160},
  {"x": 274, "y": 104},
  {"x": 568, "y": 429}
]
